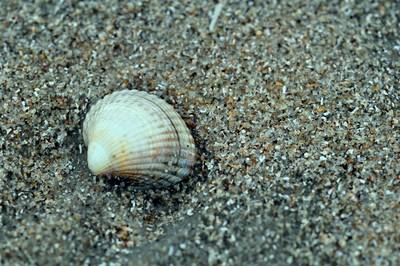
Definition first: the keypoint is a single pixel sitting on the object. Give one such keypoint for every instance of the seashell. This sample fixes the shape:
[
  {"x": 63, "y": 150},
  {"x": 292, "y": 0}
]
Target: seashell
[{"x": 137, "y": 135}]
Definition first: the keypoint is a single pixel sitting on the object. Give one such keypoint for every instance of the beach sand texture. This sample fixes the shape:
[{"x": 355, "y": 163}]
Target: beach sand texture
[{"x": 294, "y": 108}]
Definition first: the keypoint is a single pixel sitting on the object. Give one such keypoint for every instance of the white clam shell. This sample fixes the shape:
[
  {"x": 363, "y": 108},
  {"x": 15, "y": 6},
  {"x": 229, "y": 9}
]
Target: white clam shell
[{"x": 134, "y": 134}]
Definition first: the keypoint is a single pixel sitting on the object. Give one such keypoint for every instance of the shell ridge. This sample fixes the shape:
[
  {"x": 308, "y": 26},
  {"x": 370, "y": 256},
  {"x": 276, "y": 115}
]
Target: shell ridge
[{"x": 173, "y": 125}]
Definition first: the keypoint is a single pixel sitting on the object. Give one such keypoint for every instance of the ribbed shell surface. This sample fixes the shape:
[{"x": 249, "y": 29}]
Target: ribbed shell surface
[{"x": 146, "y": 138}]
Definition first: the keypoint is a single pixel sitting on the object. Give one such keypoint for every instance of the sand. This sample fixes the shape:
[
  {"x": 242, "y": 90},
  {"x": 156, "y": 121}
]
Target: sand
[{"x": 294, "y": 107}]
